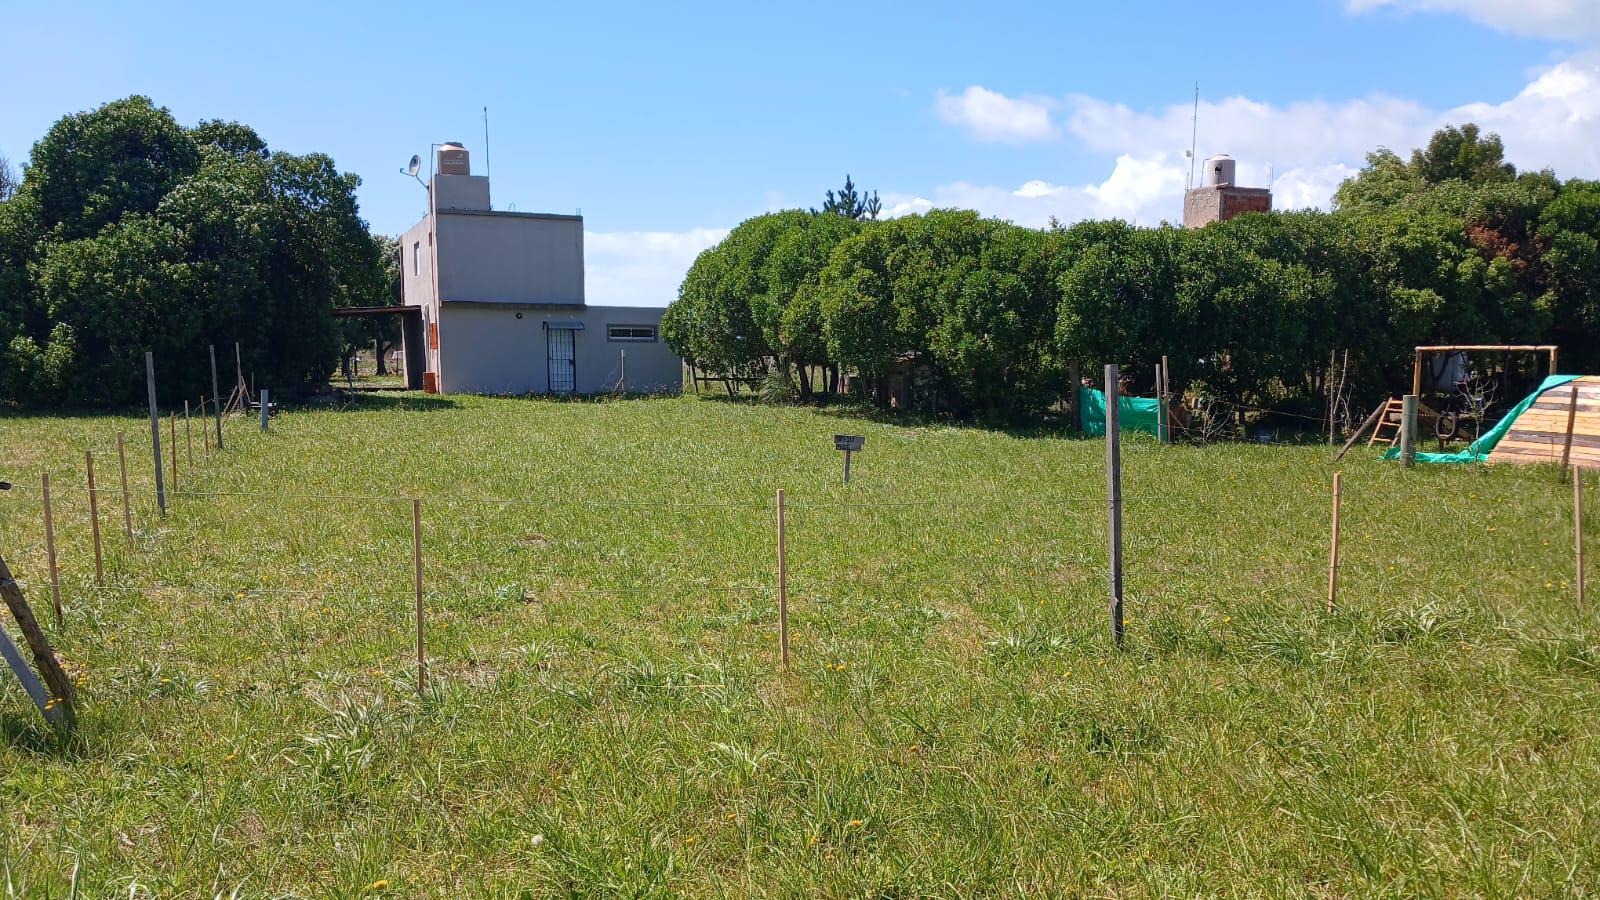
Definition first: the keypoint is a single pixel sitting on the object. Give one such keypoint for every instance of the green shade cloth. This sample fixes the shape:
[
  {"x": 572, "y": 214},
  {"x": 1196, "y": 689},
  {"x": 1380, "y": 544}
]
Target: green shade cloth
[
  {"x": 1134, "y": 413},
  {"x": 1480, "y": 449}
]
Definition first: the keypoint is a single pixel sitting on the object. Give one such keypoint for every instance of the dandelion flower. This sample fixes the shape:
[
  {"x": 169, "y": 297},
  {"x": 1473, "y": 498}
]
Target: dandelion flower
[
  {"x": 856, "y": 823},
  {"x": 380, "y": 884}
]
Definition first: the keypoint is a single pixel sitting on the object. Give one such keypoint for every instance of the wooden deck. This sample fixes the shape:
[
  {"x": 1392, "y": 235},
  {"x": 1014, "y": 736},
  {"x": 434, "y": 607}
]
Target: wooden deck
[{"x": 1539, "y": 433}]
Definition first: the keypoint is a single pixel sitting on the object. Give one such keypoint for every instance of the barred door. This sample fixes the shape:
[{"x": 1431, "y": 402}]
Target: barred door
[{"x": 563, "y": 361}]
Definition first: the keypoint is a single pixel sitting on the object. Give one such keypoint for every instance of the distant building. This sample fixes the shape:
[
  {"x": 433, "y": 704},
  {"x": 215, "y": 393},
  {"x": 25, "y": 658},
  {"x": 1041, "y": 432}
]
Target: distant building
[
  {"x": 1218, "y": 199},
  {"x": 502, "y": 303}
]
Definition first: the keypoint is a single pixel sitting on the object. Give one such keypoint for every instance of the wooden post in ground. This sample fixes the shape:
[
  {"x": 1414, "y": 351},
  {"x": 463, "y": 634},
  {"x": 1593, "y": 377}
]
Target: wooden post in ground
[
  {"x": 622, "y": 362},
  {"x": 44, "y": 658},
  {"x": 1114, "y": 499},
  {"x": 1566, "y": 444},
  {"x": 1577, "y": 527},
  {"x": 1075, "y": 376},
  {"x": 155, "y": 428},
  {"x": 1416, "y": 373},
  {"x": 205, "y": 430},
  {"x": 1356, "y": 435},
  {"x": 94, "y": 520},
  {"x": 1408, "y": 430},
  {"x": 1161, "y": 401},
  {"x": 188, "y": 436},
  {"x": 50, "y": 549},
  {"x": 127, "y": 511},
  {"x": 416, "y": 560},
  {"x": 216, "y": 395},
  {"x": 172, "y": 435},
  {"x": 783, "y": 586},
  {"x": 1333, "y": 559}
]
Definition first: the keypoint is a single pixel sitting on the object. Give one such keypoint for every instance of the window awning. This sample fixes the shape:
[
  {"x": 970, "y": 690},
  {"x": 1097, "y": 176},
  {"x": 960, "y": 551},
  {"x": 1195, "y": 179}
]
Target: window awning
[{"x": 563, "y": 325}]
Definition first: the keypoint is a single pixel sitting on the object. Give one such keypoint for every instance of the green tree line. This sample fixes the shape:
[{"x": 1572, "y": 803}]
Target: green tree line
[
  {"x": 955, "y": 313},
  {"x": 129, "y": 232}
]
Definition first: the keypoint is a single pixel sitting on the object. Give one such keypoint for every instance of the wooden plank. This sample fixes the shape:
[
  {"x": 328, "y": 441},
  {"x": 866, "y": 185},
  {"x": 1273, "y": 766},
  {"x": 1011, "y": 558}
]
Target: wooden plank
[{"x": 44, "y": 658}]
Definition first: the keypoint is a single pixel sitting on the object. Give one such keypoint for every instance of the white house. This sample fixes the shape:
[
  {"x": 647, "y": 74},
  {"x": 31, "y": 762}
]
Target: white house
[{"x": 502, "y": 305}]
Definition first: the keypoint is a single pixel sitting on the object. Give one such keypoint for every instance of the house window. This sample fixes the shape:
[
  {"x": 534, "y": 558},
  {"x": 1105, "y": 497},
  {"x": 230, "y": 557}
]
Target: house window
[
  {"x": 416, "y": 258},
  {"x": 644, "y": 333}
]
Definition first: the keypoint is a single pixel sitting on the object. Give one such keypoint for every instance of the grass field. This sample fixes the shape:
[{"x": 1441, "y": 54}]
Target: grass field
[{"x": 606, "y": 714}]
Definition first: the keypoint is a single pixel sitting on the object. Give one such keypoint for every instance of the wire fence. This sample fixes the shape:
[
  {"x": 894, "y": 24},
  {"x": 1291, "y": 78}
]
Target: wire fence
[{"x": 835, "y": 552}]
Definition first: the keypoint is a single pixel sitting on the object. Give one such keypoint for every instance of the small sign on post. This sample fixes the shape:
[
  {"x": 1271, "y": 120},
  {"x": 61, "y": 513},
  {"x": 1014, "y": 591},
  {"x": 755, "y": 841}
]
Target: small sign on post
[{"x": 849, "y": 443}]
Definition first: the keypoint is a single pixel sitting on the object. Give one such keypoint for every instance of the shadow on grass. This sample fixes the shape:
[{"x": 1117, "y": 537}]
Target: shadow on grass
[
  {"x": 29, "y": 734},
  {"x": 1050, "y": 425},
  {"x": 409, "y": 401}
]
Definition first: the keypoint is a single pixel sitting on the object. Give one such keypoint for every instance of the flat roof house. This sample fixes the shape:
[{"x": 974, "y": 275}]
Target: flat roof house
[{"x": 502, "y": 305}]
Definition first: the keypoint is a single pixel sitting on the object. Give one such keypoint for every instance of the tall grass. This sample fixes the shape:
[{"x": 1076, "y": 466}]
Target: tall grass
[{"x": 606, "y": 714}]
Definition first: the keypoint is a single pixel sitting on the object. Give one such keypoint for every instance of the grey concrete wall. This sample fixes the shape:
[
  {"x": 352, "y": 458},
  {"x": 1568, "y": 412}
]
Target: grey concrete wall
[
  {"x": 416, "y": 273},
  {"x": 460, "y": 192},
  {"x": 486, "y": 349},
  {"x": 509, "y": 257}
]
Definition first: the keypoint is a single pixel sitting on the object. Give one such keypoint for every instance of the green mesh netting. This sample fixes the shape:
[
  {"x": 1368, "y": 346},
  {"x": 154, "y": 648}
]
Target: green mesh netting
[{"x": 1133, "y": 413}]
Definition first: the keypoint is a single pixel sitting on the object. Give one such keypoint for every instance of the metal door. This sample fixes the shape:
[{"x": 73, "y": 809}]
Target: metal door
[{"x": 563, "y": 361}]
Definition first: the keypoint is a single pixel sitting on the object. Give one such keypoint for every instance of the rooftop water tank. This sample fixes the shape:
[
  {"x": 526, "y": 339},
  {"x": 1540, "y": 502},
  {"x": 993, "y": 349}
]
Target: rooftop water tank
[
  {"x": 1219, "y": 170},
  {"x": 453, "y": 159}
]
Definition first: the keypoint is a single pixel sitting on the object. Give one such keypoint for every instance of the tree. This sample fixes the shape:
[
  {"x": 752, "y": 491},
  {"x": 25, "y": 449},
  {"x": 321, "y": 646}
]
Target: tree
[
  {"x": 93, "y": 168},
  {"x": 851, "y": 205},
  {"x": 180, "y": 238},
  {"x": 8, "y": 180},
  {"x": 1462, "y": 154}
]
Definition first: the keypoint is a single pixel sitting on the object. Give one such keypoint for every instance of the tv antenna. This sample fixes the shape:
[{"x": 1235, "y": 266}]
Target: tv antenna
[{"x": 1194, "y": 134}]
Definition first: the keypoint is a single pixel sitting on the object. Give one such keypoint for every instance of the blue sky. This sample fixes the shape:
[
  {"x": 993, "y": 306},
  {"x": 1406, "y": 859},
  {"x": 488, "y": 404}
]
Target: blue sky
[{"x": 668, "y": 125}]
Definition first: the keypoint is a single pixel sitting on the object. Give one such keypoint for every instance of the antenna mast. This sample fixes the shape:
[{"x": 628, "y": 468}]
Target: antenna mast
[
  {"x": 1194, "y": 135},
  {"x": 487, "y": 169}
]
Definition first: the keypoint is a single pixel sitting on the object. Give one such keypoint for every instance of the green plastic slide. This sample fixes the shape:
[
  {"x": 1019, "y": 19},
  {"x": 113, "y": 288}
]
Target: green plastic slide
[{"x": 1480, "y": 449}]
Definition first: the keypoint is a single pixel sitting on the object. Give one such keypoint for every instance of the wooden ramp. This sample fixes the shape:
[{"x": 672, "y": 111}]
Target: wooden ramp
[{"x": 1538, "y": 435}]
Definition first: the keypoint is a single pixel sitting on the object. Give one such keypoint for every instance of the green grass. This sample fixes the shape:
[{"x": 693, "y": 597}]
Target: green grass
[{"x": 607, "y": 715}]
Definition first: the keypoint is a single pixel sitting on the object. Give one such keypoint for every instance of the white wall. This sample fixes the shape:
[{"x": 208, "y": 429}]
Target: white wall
[
  {"x": 510, "y": 257},
  {"x": 486, "y": 349}
]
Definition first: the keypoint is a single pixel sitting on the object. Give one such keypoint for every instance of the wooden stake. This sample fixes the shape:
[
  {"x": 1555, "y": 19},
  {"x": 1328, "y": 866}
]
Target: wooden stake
[
  {"x": 1333, "y": 559},
  {"x": 416, "y": 559},
  {"x": 1566, "y": 445},
  {"x": 1114, "y": 498},
  {"x": 783, "y": 586},
  {"x": 204, "y": 431},
  {"x": 1360, "y": 431},
  {"x": 172, "y": 434},
  {"x": 1577, "y": 527},
  {"x": 127, "y": 511},
  {"x": 1161, "y": 401},
  {"x": 94, "y": 520},
  {"x": 1075, "y": 376},
  {"x": 188, "y": 436},
  {"x": 44, "y": 658},
  {"x": 50, "y": 550}
]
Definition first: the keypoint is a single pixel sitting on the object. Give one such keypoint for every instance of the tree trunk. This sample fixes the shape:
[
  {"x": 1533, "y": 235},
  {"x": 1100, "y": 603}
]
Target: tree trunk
[{"x": 382, "y": 350}]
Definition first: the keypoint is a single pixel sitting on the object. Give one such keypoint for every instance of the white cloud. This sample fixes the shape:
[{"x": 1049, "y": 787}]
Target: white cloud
[
  {"x": 1038, "y": 188},
  {"x": 1305, "y": 148},
  {"x": 992, "y": 116},
  {"x": 1559, "y": 19},
  {"x": 640, "y": 268}
]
